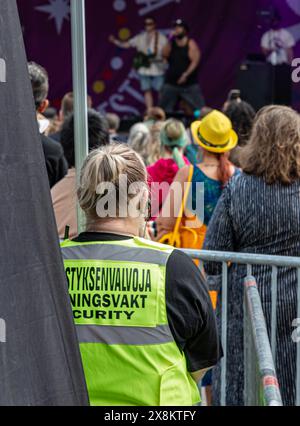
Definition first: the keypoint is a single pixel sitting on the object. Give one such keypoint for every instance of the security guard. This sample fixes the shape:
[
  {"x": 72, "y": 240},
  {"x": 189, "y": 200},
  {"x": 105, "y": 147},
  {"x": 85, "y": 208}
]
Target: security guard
[{"x": 118, "y": 286}]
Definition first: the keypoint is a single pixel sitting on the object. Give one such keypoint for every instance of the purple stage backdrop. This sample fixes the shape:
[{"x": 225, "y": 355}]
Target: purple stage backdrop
[{"x": 226, "y": 30}]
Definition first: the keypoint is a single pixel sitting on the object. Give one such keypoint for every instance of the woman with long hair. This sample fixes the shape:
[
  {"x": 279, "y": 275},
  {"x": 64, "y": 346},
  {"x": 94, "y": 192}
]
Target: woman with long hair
[
  {"x": 216, "y": 138},
  {"x": 242, "y": 117},
  {"x": 259, "y": 212}
]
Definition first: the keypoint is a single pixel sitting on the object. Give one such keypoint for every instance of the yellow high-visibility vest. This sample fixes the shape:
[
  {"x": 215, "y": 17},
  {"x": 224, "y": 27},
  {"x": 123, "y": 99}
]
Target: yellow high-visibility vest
[{"x": 117, "y": 291}]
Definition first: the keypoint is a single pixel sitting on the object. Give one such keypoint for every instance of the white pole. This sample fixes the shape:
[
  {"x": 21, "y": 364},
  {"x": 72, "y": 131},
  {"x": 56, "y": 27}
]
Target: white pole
[{"x": 80, "y": 91}]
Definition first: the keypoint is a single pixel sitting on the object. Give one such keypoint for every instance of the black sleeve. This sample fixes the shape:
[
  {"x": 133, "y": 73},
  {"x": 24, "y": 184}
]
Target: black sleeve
[
  {"x": 190, "y": 313},
  {"x": 57, "y": 166}
]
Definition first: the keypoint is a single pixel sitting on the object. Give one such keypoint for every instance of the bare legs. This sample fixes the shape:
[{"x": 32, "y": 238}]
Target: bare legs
[{"x": 149, "y": 100}]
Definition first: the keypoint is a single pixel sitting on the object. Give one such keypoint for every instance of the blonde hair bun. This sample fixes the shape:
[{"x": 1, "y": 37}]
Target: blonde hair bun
[{"x": 106, "y": 165}]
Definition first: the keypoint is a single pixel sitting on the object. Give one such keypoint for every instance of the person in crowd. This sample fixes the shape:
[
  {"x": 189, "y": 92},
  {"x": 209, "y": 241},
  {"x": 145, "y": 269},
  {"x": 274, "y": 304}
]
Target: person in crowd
[
  {"x": 183, "y": 56},
  {"x": 154, "y": 119},
  {"x": 56, "y": 164},
  {"x": 278, "y": 47},
  {"x": 154, "y": 341},
  {"x": 66, "y": 109},
  {"x": 54, "y": 125},
  {"x": 154, "y": 115},
  {"x": 67, "y": 106},
  {"x": 149, "y": 60},
  {"x": 277, "y": 44},
  {"x": 64, "y": 192},
  {"x": 114, "y": 123},
  {"x": 193, "y": 151},
  {"x": 155, "y": 148},
  {"x": 216, "y": 138},
  {"x": 242, "y": 116},
  {"x": 259, "y": 213},
  {"x": 205, "y": 111},
  {"x": 140, "y": 140},
  {"x": 173, "y": 138}
]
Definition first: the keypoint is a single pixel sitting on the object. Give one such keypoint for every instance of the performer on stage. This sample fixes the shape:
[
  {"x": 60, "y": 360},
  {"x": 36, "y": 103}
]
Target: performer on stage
[
  {"x": 149, "y": 60},
  {"x": 183, "y": 56},
  {"x": 277, "y": 45}
]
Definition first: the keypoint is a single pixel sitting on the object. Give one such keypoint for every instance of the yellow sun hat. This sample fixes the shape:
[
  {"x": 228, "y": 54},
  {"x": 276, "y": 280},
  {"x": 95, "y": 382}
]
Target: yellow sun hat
[{"x": 215, "y": 133}]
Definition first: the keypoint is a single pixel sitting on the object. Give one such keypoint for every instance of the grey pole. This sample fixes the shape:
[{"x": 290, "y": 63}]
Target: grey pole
[{"x": 80, "y": 91}]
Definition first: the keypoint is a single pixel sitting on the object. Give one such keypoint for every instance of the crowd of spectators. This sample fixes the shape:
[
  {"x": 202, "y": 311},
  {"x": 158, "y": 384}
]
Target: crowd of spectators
[{"x": 249, "y": 168}]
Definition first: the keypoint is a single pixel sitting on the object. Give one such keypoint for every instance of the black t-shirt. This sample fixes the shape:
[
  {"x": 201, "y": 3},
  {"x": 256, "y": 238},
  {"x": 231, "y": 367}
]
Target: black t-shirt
[
  {"x": 179, "y": 62},
  {"x": 189, "y": 309}
]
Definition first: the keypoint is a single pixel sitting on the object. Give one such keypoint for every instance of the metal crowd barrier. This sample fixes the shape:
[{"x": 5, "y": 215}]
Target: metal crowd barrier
[
  {"x": 259, "y": 336},
  {"x": 249, "y": 260}
]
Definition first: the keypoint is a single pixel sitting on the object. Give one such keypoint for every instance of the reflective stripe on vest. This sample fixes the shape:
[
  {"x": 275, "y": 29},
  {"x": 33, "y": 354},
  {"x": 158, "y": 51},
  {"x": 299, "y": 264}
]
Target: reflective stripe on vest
[
  {"x": 111, "y": 335},
  {"x": 123, "y": 254}
]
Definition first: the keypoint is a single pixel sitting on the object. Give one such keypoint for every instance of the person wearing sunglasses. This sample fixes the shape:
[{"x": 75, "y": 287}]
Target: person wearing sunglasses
[{"x": 148, "y": 60}]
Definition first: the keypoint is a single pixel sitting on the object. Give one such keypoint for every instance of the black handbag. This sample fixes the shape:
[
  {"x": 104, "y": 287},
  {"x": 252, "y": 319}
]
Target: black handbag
[{"x": 142, "y": 60}]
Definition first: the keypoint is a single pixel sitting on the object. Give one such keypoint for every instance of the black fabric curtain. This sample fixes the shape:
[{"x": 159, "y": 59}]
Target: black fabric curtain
[{"x": 40, "y": 361}]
